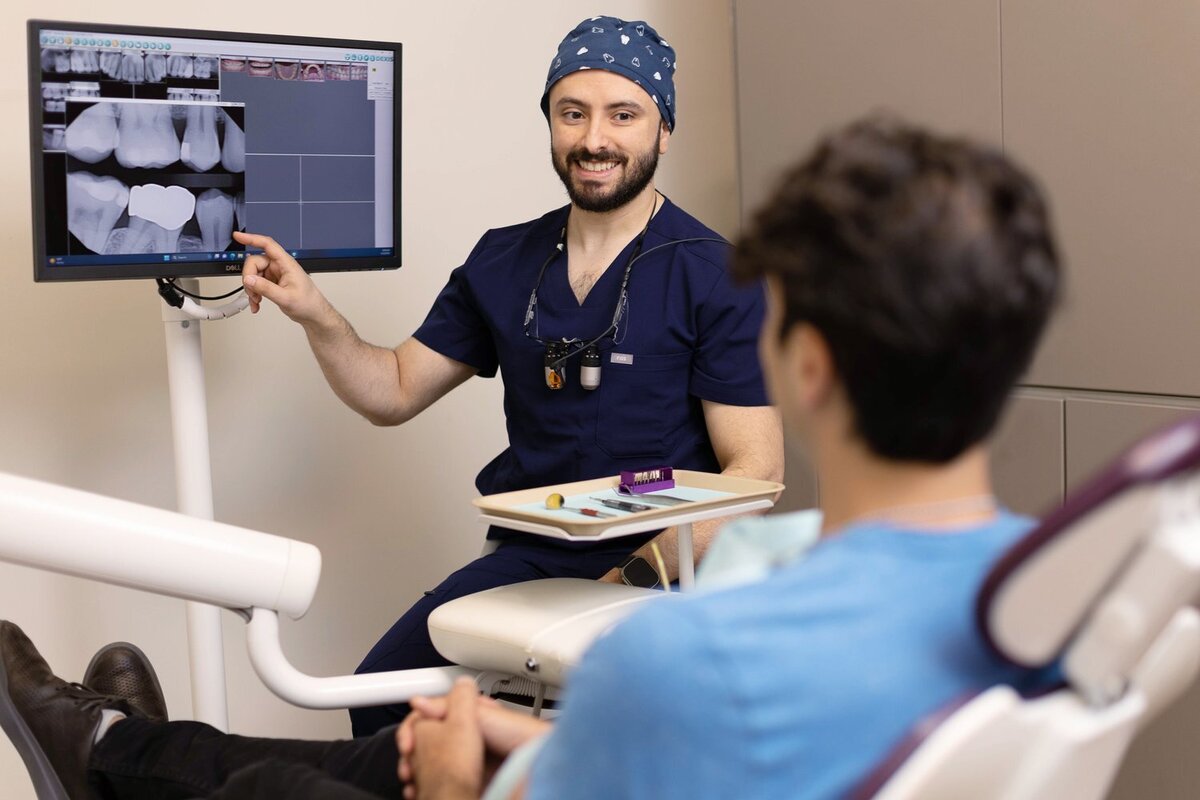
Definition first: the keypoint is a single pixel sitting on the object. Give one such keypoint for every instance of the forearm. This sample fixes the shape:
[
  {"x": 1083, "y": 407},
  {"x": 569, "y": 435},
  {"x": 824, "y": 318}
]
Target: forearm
[
  {"x": 364, "y": 376},
  {"x": 705, "y": 531}
]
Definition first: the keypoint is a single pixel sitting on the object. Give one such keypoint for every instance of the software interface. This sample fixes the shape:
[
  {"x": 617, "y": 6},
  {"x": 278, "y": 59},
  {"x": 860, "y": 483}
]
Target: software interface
[{"x": 157, "y": 149}]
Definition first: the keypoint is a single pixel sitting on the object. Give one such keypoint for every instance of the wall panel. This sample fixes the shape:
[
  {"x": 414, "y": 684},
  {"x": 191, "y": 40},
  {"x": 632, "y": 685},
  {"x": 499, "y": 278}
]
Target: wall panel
[
  {"x": 1027, "y": 454},
  {"x": 1099, "y": 101},
  {"x": 805, "y": 67}
]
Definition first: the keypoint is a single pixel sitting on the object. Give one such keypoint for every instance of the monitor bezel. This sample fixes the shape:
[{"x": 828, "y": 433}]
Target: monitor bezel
[{"x": 199, "y": 269}]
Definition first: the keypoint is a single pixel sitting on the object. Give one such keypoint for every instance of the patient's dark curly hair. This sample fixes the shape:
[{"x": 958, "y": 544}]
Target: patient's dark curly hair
[{"x": 928, "y": 265}]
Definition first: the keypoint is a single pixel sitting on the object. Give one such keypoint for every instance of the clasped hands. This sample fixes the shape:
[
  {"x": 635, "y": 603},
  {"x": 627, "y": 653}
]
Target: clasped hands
[{"x": 450, "y": 747}]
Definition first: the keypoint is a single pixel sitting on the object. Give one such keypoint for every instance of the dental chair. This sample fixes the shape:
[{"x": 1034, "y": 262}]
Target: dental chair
[{"x": 1102, "y": 587}]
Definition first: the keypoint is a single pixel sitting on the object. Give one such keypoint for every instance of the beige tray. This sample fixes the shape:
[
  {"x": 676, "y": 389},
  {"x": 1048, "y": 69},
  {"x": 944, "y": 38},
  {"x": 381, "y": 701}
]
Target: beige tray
[{"x": 742, "y": 490}]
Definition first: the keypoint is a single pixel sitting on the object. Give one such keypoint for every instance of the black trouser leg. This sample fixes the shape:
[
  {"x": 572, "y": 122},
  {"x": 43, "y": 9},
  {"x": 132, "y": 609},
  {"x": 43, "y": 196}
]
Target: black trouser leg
[
  {"x": 180, "y": 760},
  {"x": 283, "y": 780}
]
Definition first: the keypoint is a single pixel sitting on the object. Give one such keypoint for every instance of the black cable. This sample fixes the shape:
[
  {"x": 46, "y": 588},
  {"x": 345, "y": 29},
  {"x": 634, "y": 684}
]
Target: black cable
[
  {"x": 612, "y": 329},
  {"x": 181, "y": 290}
]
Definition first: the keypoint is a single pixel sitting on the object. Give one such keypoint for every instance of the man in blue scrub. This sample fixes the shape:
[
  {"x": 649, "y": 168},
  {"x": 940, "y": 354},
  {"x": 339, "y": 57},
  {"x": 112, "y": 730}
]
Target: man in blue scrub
[
  {"x": 620, "y": 278},
  {"x": 909, "y": 278}
]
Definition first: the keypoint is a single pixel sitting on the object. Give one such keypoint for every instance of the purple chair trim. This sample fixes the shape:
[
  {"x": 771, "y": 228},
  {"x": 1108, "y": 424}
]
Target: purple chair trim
[
  {"x": 1170, "y": 451},
  {"x": 877, "y": 778}
]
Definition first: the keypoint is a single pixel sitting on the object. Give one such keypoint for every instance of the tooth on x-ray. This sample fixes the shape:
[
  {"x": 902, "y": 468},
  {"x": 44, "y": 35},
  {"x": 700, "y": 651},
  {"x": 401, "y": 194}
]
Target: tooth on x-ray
[
  {"x": 55, "y": 59},
  {"x": 92, "y": 136},
  {"x": 233, "y": 146},
  {"x": 204, "y": 66},
  {"x": 133, "y": 68},
  {"x": 200, "y": 149},
  {"x": 84, "y": 61},
  {"x": 214, "y": 212},
  {"x": 110, "y": 63},
  {"x": 240, "y": 210},
  {"x": 94, "y": 205},
  {"x": 180, "y": 66},
  {"x": 156, "y": 216},
  {"x": 145, "y": 136},
  {"x": 155, "y": 67}
]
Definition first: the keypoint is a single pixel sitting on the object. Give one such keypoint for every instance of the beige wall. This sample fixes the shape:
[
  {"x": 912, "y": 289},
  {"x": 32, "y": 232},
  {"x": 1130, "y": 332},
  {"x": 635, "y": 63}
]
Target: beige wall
[{"x": 82, "y": 379}]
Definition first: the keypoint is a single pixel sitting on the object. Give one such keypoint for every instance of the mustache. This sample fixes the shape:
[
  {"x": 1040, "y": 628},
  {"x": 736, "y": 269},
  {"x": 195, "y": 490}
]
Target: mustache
[{"x": 583, "y": 154}]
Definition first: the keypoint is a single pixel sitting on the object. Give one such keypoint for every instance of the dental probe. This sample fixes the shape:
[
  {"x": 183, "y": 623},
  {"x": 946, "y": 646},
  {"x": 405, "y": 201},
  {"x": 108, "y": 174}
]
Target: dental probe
[{"x": 622, "y": 504}]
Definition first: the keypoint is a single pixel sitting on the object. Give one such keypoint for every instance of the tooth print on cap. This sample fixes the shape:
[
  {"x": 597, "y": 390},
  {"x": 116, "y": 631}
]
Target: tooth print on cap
[{"x": 608, "y": 43}]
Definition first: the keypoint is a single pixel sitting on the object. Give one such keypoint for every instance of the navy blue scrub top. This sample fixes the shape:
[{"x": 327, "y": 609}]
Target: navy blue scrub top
[{"x": 688, "y": 334}]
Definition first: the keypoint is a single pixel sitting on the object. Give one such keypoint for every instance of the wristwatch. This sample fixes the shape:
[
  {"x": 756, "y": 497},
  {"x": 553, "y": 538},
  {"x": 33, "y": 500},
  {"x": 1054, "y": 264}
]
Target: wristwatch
[{"x": 636, "y": 571}]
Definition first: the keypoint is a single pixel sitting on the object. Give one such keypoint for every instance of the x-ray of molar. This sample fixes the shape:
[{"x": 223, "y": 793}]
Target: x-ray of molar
[
  {"x": 133, "y": 67},
  {"x": 54, "y": 138},
  {"x": 56, "y": 59},
  {"x": 110, "y": 63},
  {"x": 149, "y": 135},
  {"x": 155, "y": 67},
  {"x": 181, "y": 65},
  {"x": 186, "y": 94},
  {"x": 83, "y": 89},
  {"x": 85, "y": 61},
  {"x": 312, "y": 71},
  {"x": 110, "y": 218},
  {"x": 204, "y": 66},
  {"x": 54, "y": 97},
  {"x": 154, "y": 177}
]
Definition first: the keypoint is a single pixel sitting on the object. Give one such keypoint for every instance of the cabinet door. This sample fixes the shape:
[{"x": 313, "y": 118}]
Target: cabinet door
[{"x": 1099, "y": 430}]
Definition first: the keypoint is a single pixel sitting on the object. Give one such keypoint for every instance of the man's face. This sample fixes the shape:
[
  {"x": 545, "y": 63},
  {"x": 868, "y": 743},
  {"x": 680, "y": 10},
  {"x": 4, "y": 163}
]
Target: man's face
[{"x": 606, "y": 135}]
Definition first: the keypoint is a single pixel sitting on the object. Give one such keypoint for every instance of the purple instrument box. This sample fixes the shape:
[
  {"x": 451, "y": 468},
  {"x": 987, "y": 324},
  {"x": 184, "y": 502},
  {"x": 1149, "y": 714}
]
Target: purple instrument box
[{"x": 647, "y": 480}]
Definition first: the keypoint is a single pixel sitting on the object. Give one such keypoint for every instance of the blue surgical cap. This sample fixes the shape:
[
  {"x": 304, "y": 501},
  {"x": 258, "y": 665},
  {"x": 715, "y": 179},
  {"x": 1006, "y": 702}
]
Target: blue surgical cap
[{"x": 632, "y": 50}]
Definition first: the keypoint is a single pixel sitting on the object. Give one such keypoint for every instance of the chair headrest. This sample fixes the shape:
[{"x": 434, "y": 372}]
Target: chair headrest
[{"x": 1041, "y": 591}]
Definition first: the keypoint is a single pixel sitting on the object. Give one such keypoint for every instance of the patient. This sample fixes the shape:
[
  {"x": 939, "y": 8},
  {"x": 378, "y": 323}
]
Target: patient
[{"x": 909, "y": 277}]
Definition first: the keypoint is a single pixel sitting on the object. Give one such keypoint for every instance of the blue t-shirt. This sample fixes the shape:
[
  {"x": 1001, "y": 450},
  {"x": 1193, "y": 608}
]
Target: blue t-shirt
[
  {"x": 688, "y": 334},
  {"x": 794, "y": 687}
]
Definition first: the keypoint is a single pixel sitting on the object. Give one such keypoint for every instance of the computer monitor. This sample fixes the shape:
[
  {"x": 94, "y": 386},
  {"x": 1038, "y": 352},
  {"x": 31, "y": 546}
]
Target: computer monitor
[{"x": 151, "y": 145}]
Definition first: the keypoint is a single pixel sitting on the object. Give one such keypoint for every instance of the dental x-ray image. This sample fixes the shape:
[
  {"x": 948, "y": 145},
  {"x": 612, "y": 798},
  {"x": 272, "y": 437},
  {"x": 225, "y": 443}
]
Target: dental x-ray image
[
  {"x": 54, "y": 138},
  {"x": 154, "y": 177}
]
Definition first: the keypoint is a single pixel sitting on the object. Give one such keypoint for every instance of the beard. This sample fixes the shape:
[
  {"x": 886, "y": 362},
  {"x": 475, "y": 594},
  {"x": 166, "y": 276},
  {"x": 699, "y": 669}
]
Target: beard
[{"x": 638, "y": 174}]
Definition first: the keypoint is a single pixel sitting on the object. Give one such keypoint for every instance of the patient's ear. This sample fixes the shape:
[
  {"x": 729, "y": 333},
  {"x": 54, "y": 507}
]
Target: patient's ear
[{"x": 808, "y": 357}]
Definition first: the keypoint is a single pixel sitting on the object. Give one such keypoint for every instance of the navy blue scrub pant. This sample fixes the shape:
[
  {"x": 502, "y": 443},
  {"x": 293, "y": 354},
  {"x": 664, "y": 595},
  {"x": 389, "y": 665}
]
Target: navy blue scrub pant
[{"x": 407, "y": 645}]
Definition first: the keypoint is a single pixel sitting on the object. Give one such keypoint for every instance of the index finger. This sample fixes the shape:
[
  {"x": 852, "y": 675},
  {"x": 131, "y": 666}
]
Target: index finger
[{"x": 263, "y": 242}]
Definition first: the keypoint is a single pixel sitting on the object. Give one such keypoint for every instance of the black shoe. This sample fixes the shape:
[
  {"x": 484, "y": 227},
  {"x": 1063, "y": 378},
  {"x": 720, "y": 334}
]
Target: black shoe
[
  {"x": 51, "y": 722},
  {"x": 122, "y": 670}
]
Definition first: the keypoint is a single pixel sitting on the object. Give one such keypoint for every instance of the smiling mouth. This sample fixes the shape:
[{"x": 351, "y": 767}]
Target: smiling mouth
[{"x": 597, "y": 168}]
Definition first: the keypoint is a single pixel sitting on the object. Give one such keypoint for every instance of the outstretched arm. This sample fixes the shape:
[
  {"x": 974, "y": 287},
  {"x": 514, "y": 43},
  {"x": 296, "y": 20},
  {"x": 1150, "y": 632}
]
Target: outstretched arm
[{"x": 388, "y": 387}]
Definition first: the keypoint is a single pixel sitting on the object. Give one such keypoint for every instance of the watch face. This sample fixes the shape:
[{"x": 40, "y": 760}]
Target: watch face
[{"x": 638, "y": 572}]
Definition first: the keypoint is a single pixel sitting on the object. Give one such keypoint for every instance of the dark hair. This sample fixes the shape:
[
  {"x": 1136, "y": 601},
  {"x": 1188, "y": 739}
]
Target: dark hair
[{"x": 928, "y": 265}]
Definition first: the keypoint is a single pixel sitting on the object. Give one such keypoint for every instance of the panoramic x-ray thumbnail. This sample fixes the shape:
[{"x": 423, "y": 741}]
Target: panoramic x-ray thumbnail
[
  {"x": 130, "y": 66},
  {"x": 154, "y": 177}
]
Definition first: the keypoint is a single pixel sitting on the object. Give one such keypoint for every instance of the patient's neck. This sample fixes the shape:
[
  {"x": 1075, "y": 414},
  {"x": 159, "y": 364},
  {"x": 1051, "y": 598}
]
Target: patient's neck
[{"x": 857, "y": 485}]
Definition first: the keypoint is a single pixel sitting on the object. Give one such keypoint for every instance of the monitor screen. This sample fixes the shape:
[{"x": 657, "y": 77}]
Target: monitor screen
[{"x": 150, "y": 146}]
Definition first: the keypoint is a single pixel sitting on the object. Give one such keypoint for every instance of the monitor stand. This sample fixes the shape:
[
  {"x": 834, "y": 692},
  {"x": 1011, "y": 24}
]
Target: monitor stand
[{"x": 193, "y": 486}]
